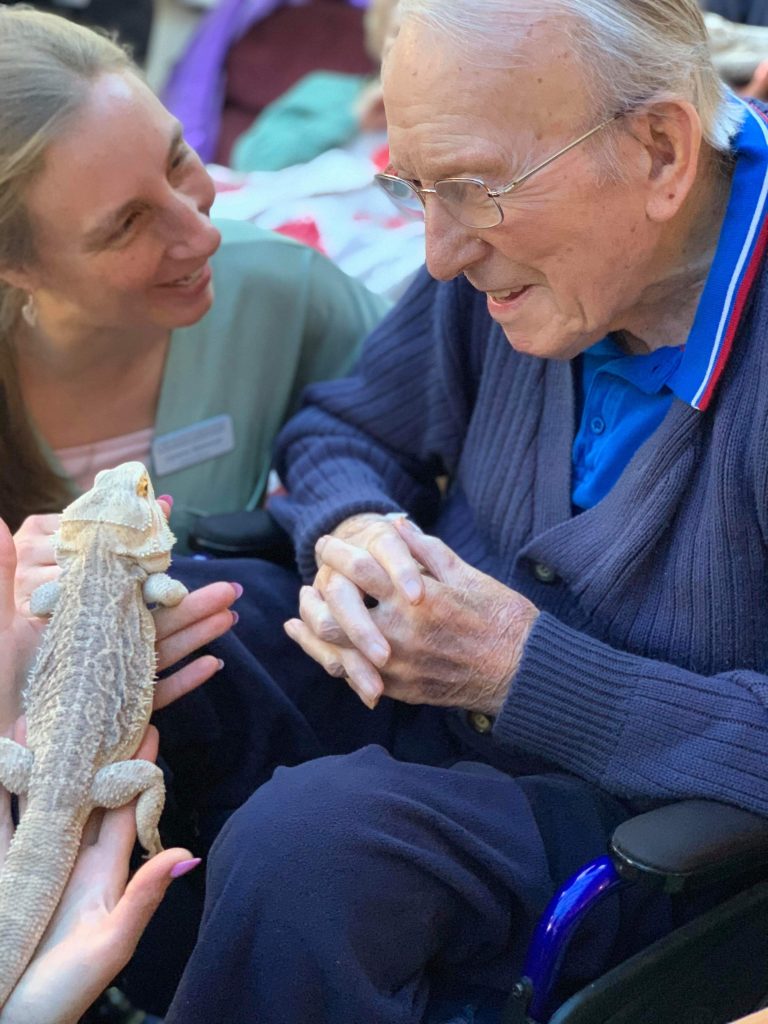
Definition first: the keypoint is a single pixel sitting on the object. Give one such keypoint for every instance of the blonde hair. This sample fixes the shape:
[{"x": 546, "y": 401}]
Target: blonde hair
[
  {"x": 46, "y": 64},
  {"x": 632, "y": 51}
]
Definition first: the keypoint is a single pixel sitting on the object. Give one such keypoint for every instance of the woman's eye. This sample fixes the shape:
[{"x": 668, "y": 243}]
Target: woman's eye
[
  {"x": 128, "y": 223},
  {"x": 126, "y": 227}
]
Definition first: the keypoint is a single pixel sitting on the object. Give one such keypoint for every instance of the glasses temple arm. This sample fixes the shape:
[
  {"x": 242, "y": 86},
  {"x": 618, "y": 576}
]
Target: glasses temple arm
[{"x": 494, "y": 193}]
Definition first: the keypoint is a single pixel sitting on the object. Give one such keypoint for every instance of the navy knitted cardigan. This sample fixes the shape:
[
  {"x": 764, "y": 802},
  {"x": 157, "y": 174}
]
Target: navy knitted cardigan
[{"x": 646, "y": 672}]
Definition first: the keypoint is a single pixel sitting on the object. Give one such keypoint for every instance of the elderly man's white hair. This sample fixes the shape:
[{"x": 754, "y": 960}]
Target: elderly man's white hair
[{"x": 632, "y": 50}]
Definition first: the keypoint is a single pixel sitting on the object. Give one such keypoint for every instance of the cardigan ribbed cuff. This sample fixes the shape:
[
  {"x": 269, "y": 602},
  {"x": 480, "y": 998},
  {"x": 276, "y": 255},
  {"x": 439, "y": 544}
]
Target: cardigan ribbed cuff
[{"x": 567, "y": 700}]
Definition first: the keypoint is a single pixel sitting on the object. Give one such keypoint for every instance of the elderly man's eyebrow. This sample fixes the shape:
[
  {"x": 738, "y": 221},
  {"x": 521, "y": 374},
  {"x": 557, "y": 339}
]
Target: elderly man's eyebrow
[{"x": 112, "y": 221}]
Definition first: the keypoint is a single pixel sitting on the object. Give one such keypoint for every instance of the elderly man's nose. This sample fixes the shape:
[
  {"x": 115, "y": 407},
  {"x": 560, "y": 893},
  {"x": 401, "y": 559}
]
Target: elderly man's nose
[{"x": 450, "y": 247}]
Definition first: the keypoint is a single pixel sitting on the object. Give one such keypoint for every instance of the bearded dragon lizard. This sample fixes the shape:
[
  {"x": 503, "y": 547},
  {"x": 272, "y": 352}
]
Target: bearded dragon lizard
[{"x": 87, "y": 700}]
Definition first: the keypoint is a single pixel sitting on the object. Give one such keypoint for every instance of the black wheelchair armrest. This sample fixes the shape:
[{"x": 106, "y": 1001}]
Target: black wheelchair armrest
[
  {"x": 690, "y": 844},
  {"x": 253, "y": 534}
]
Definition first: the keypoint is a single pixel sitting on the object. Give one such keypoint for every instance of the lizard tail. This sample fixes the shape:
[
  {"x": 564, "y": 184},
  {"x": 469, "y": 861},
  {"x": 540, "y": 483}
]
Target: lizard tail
[{"x": 32, "y": 880}]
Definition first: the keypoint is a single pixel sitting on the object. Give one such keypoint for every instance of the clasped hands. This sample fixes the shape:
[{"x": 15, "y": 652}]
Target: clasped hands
[{"x": 397, "y": 613}]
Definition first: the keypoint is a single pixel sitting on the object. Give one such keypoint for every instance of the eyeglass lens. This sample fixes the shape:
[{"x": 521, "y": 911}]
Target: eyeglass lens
[
  {"x": 402, "y": 195},
  {"x": 466, "y": 200}
]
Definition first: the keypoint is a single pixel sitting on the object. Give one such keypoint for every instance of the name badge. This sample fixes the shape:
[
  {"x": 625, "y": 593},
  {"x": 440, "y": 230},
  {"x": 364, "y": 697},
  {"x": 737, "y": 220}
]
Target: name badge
[{"x": 191, "y": 445}]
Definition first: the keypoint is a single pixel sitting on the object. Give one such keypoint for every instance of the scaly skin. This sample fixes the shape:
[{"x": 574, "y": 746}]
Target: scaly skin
[{"x": 88, "y": 702}]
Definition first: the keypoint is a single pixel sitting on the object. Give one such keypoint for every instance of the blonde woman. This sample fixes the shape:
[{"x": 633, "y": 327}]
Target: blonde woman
[{"x": 111, "y": 347}]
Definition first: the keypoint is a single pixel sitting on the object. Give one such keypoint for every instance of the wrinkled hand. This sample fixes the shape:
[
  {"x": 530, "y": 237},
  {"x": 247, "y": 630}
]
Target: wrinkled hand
[
  {"x": 457, "y": 645},
  {"x": 761, "y": 1017},
  {"x": 380, "y": 537},
  {"x": 200, "y": 618},
  {"x": 334, "y": 607},
  {"x": 99, "y": 920}
]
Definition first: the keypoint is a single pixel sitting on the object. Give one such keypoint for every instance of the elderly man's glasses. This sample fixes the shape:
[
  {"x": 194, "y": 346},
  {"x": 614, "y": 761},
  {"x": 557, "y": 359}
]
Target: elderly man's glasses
[{"x": 469, "y": 200}]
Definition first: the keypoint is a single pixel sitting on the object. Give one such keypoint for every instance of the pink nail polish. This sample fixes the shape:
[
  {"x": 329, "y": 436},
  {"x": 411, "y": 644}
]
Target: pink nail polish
[
  {"x": 167, "y": 498},
  {"x": 185, "y": 866},
  {"x": 237, "y": 587},
  {"x": 235, "y": 618}
]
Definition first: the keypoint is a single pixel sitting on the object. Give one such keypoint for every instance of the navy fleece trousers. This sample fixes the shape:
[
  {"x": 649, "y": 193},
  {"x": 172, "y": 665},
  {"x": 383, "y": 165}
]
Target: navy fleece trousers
[{"x": 366, "y": 862}]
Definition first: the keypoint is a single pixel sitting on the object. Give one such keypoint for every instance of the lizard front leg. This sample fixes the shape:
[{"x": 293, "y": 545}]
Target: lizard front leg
[
  {"x": 159, "y": 588},
  {"x": 43, "y": 599},
  {"x": 115, "y": 785},
  {"x": 15, "y": 766}
]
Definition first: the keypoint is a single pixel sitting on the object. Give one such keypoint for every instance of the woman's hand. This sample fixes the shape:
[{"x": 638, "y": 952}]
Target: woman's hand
[
  {"x": 35, "y": 559},
  {"x": 200, "y": 618},
  {"x": 459, "y": 645},
  {"x": 99, "y": 920},
  {"x": 19, "y": 636}
]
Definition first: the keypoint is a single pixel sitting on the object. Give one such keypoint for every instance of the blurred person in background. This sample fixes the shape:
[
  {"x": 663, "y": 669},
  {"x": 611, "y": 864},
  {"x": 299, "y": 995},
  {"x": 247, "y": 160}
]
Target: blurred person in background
[{"x": 131, "y": 20}]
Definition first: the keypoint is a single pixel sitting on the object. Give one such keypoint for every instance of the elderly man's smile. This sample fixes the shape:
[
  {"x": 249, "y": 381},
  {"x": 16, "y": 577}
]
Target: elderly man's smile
[{"x": 500, "y": 302}]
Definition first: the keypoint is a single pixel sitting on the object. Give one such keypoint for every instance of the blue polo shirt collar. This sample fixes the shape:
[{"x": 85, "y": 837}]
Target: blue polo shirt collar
[{"x": 739, "y": 252}]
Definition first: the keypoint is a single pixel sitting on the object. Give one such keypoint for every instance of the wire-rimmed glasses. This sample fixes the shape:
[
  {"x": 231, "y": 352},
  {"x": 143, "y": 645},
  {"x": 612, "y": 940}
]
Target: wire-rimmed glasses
[{"x": 469, "y": 200}]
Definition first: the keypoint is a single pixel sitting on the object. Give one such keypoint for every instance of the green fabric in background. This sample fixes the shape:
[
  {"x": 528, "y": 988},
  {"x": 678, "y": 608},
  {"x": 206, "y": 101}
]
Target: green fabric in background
[{"x": 314, "y": 115}]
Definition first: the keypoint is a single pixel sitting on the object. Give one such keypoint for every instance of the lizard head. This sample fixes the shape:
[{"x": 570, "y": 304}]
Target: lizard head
[{"x": 121, "y": 498}]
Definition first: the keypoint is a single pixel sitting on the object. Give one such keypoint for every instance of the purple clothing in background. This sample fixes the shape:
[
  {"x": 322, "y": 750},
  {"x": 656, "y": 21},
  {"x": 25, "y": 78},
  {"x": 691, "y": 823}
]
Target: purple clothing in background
[{"x": 195, "y": 90}]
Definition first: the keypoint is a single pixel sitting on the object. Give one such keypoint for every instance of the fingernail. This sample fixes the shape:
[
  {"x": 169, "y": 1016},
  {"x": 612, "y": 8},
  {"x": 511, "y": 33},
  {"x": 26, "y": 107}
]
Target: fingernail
[
  {"x": 237, "y": 587},
  {"x": 235, "y": 618},
  {"x": 221, "y": 665},
  {"x": 413, "y": 589},
  {"x": 370, "y": 693},
  {"x": 184, "y": 867},
  {"x": 320, "y": 544},
  {"x": 167, "y": 498},
  {"x": 371, "y": 701},
  {"x": 404, "y": 521},
  {"x": 379, "y": 654}
]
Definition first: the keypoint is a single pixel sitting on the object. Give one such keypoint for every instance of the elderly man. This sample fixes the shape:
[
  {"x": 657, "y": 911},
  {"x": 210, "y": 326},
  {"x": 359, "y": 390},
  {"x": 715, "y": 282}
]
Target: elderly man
[{"x": 571, "y": 402}]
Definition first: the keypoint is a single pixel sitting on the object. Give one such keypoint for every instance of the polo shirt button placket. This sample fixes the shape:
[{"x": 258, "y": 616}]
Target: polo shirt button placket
[
  {"x": 543, "y": 573},
  {"x": 480, "y": 722}
]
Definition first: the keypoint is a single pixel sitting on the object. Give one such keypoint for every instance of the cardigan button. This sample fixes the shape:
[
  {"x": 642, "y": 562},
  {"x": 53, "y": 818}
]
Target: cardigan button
[
  {"x": 543, "y": 573},
  {"x": 480, "y": 723}
]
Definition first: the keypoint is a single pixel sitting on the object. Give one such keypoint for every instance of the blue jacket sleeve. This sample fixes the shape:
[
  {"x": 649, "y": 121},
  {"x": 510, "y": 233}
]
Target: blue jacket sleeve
[{"x": 637, "y": 727}]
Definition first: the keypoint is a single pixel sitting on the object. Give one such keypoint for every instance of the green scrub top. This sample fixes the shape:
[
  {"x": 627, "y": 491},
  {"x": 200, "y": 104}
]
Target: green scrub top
[{"x": 283, "y": 316}]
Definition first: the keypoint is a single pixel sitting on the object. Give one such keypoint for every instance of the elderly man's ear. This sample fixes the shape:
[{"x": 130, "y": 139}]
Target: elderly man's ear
[{"x": 670, "y": 134}]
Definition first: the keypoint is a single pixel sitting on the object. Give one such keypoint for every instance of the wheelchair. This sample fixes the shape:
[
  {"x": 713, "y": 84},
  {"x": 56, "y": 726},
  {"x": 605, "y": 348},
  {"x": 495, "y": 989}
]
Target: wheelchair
[{"x": 712, "y": 969}]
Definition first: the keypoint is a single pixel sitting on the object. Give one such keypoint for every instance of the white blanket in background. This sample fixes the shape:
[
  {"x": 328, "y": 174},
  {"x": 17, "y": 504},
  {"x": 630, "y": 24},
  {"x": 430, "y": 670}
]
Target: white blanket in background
[{"x": 357, "y": 225}]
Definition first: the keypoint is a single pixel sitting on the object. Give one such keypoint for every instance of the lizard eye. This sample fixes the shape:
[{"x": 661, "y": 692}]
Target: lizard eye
[{"x": 142, "y": 488}]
